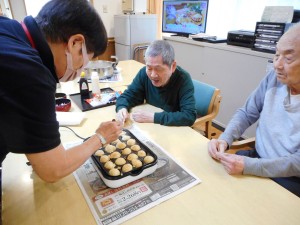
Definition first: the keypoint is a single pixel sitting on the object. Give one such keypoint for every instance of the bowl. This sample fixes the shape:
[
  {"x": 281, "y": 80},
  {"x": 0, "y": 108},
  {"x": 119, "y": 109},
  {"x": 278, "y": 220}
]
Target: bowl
[
  {"x": 62, "y": 105},
  {"x": 60, "y": 95},
  {"x": 105, "y": 69}
]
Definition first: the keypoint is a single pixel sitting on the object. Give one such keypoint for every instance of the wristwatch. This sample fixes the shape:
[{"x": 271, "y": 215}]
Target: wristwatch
[{"x": 101, "y": 138}]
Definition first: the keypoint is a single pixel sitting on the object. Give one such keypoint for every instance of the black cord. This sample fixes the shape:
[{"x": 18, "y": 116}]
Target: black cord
[
  {"x": 73, "y": 132},
  {"x": 29, "y": 164}
]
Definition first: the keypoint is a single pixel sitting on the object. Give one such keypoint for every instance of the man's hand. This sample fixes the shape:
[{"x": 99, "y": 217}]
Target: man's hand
[
  {"x": 216, "y": 146},
  {"x": 110, "y": 130},
  {"x": 122, "y": 115},
  {"x": 233, "y": 164},
  {"x": 143, "y": 117}
]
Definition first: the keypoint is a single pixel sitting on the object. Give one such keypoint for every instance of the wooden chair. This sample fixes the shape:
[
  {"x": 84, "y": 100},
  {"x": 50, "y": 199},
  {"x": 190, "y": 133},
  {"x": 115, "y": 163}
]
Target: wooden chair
[
  {"x": 208, "y": 100},
  {"x": 246, "y": 144},
  {"x": 139, "y": 52},
  {"x": 249, "y": 142}
]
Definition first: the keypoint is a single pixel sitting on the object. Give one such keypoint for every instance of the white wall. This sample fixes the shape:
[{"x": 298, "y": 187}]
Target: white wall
[
  {"x": 106, "y": 8},
  {"x": 113, "y": 7},
  {"x": 224, "y": 16},
  {"x": 33, "y": 6}
]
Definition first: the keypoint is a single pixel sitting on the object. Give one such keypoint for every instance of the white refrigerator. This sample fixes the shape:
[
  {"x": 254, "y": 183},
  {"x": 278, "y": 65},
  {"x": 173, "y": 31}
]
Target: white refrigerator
[{"x": 133, "y": 29}]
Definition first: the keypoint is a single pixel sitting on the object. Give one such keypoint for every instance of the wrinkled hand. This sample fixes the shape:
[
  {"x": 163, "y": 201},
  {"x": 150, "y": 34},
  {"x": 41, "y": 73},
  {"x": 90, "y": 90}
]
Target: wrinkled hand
[
  {"x": 122, "y": 115},
  {"x": 233, "y": 164},
  {"x": 110, "y": 130},
  {"x": 216, "y": 146},
  {"x": 143, "y": 117}
]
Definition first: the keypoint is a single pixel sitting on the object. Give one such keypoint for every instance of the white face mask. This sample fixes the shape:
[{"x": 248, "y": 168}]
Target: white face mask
[{"x": 70, "y": 73}]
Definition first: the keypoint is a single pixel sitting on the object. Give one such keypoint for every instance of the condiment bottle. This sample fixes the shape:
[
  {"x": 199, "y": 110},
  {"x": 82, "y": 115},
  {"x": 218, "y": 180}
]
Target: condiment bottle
[
  {"x": 83, "y": 85},
  {"x": 95, "y": 84}
]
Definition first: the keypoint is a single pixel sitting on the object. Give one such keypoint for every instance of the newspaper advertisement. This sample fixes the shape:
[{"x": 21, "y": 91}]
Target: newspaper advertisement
[{"x": 116, "y": 205}]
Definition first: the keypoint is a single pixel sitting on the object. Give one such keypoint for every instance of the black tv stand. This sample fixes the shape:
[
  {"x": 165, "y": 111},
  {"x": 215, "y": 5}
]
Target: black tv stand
[{"x": 180, "y": 35}]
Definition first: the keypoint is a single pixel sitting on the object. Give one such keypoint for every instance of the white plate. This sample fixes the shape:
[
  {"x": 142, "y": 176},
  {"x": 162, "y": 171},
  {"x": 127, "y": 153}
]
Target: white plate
[{"x": 69, "y": 118}]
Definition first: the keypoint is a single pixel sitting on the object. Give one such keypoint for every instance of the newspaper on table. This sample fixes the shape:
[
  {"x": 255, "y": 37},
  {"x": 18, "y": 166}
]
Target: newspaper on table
[{"x": 114, "y": 206}]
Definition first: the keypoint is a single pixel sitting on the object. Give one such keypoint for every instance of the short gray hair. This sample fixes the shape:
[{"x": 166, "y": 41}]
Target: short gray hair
[
  {"x": 295, "y": 28},
  {"x": 292, "y": 33},
  {"x": 163, "y": 48}
]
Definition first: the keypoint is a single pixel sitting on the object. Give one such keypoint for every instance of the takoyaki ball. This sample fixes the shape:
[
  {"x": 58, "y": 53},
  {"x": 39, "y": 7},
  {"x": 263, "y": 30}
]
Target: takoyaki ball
[
  {"x": 120, "y": 161},
  {"x": 125, "y": 137},
  {"x": 104, "y": 158},
  {"x": 115, "y": 155},
  {"x": 123, "y": 133},
  {"x": 121, "y": 145},
  {"x": 126, "y": 151},
  {"x": 148, "y": 159},
  {"x": 131, "y": 142},
  {"x": 110, "y": 148},
  {"x": 135, "y": 147},
  {"x": 126, "y": 168},
  {"x": 99, "y": 153},
  {"x": 132, "y": 156},
  {"x": 136, "y": 163},
  {"x": 116, "y": 141},
  {"x": 141, "y": 153},
  {"x": 114, "y": 172},
  {"x": 109, "y": 165}
]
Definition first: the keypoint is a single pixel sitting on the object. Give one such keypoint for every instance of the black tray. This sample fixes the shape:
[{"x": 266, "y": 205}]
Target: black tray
[
  {"x": 84, "y": 106},
  {"x": 133, "y": 172}
]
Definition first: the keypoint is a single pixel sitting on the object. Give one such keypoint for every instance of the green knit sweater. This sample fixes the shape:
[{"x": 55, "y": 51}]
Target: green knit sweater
[{"x": 176, "y": 98}]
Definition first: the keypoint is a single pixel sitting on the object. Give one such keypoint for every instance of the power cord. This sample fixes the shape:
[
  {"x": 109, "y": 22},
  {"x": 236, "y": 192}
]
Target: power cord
[
  {"x": 29, "y": 164},
  {"x": 73, "y": 132}
]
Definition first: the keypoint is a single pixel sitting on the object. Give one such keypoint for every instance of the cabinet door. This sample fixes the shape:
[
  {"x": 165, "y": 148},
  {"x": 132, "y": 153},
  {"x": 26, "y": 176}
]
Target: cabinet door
[
  {"x": 190, "y": 58},
  {"x": 123, "y": 52},
  {"x": 235, "y": 71},
  {"x": 237, "y": 75}
]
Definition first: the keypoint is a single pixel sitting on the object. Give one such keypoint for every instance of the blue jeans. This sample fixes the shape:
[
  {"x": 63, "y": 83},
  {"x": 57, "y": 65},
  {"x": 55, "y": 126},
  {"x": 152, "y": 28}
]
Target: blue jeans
[{"x": 290, "y": 183}]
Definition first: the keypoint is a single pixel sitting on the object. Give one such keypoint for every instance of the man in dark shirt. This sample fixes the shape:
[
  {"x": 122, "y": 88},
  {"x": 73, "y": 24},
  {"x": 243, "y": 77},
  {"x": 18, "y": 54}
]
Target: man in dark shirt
[
  {"x": 34, "y": 55},
  {"x": 163, "y": 84}
]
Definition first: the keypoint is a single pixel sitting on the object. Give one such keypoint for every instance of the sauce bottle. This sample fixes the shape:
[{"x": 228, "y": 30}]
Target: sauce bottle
[{"x": 83, "y": 85}]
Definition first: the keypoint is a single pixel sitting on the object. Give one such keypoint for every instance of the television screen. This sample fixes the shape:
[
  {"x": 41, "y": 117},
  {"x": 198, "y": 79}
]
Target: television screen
[{"x": 184, "y": 17}]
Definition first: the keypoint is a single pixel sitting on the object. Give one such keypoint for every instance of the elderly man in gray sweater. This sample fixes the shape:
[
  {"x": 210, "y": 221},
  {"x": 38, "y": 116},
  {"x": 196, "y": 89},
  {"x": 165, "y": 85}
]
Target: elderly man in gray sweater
[{"x": 276, "y": 103}]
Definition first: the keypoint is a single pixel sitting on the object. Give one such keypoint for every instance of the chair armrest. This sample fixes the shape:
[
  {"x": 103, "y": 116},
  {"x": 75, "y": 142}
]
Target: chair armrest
[
  {"x": 202, "y": 120},
  {"x": 241, "y": 144}
]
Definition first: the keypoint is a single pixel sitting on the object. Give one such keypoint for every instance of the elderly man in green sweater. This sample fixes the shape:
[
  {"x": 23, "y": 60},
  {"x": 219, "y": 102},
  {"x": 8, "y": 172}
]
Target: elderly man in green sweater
[{"x": 163, "y": 84}]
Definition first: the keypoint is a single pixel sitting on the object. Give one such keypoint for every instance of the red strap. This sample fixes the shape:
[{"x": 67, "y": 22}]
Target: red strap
[{"x": 28, "y": 34}]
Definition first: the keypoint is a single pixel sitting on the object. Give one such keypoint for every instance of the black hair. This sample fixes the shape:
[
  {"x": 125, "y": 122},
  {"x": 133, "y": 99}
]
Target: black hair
[{"x": 60, "y": 19}]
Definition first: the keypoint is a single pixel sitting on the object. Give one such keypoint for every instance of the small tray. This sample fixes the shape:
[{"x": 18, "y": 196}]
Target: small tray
[
  {"x": 135, "y": 173},
  {"x": 84, "y": 106}
]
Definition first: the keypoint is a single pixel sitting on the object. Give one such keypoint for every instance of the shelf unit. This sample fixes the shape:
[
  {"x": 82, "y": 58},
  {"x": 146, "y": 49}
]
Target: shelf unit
[{"x": 267, "y": 35}]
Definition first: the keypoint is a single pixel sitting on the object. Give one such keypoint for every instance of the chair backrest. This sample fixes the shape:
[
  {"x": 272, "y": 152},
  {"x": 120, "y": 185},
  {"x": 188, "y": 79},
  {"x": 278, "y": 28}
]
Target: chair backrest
[
  {"x": 204, "y": 97},
  {"x": 139, "y": 52}
]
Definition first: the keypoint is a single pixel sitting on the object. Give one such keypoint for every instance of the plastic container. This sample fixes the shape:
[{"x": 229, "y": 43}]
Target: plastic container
[
  {"x": 83, "y": 85},
  {"x": 95, "y": 84}
]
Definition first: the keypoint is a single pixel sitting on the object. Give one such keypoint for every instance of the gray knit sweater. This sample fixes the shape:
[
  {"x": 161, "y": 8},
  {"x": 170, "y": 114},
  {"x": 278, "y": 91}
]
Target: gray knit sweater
[{"x": 277, "y": 132}]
